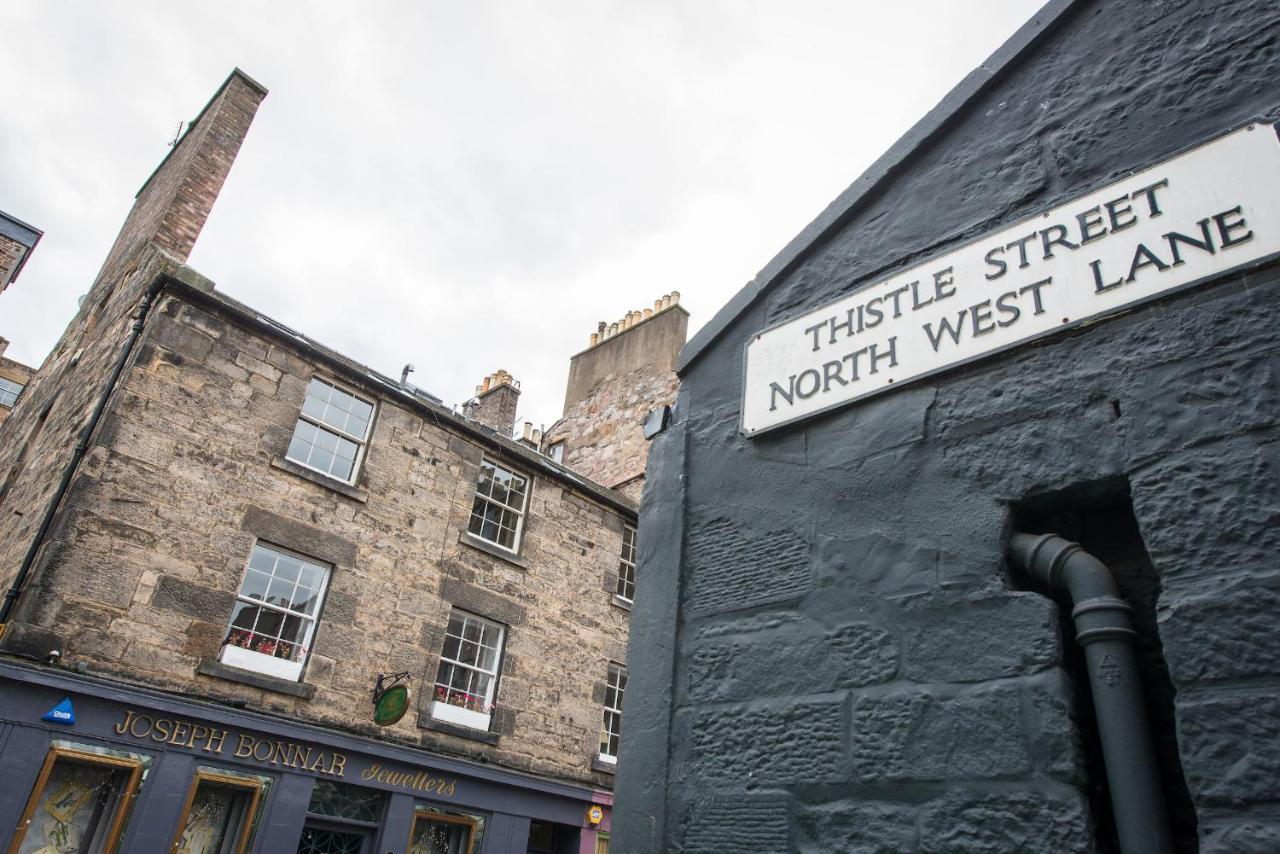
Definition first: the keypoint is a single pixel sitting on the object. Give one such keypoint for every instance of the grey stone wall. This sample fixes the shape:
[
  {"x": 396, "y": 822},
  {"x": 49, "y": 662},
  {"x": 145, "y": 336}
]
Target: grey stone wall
[{"x": 840, "y": 661}]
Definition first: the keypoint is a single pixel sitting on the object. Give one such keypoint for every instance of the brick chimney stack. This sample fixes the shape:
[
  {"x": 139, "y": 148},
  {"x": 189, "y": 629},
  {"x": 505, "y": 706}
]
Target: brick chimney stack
[
  {"x": 171, "y": 208},
  {"x": 496, "y": 400}
]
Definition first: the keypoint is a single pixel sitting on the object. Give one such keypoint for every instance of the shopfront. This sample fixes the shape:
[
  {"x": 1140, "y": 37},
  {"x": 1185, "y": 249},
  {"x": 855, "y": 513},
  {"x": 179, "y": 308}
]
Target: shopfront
[{"x": 91, "y": 766}]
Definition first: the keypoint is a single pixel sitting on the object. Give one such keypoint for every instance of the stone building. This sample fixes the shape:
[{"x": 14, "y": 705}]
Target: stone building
[
  {"x": 1050, "y": 309},
  {"x": 17, "y": 240},
  {"x": 14, "y": 377},
  {"x": 219, "y": 537},
  {"x": 627, "y": 370}
]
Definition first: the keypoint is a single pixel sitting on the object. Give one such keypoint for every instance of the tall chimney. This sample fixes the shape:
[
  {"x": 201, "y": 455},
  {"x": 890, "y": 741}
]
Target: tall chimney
[
  {"x": 496, "y": 402},
  {"x": 171, "y": 208}
]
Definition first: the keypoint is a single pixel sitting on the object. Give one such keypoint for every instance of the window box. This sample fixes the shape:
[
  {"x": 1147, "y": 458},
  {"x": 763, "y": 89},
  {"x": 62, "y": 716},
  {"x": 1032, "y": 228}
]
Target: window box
[
  {"x": 274, "y": 618},
  {"x": 467, "y": 681}
]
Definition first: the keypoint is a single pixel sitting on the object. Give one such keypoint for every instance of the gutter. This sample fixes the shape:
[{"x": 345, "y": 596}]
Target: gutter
[{"x": 1104, "y": 630}]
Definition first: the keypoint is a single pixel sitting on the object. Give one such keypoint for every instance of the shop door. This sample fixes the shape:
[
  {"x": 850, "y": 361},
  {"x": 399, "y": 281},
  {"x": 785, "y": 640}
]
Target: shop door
[{"x": 324, "y": 838}]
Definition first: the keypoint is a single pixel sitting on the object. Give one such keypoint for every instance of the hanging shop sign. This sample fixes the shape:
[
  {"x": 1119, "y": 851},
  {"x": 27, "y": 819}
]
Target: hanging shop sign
[
  {"x": 390, "y": 698},
  {"x": 1208, "y": 211}
]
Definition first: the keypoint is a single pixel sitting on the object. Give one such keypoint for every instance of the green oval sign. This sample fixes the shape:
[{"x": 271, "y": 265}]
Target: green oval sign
[{"x": 391, "y": 705}]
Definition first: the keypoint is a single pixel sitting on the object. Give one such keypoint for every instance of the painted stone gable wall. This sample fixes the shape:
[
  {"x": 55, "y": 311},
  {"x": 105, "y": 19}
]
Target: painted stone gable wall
[
  {"x": 842, "y": 657},
  {"x": 187, "y": 474}
]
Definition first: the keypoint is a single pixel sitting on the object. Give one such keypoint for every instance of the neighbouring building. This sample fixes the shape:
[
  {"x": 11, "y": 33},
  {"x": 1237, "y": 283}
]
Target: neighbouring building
[
  {"x": 627, "y": 370},
  {"x": 14, "y": 377},
  {"x": 219, "y": 538},
  {"x": 17, "y": 240},
  {"x": 1047, "y": 314}
]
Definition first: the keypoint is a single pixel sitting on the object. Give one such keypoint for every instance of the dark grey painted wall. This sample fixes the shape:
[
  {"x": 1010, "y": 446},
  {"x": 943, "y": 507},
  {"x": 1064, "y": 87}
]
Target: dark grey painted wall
[{"x": 827, "y": 654}]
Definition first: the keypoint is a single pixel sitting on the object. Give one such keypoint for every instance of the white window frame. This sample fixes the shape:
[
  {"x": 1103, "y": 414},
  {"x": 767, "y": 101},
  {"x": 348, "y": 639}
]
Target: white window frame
[
  {"x": 361, "y": 442},
  {"x": 259, "y": 662},
  {"x": 449, "y": 713},
  {"x": 627, "y": 566},
  {"x": 611, "y": 722},
  {"x": 514, "y": 548},
  {"x": 556, "y": 451},
  {"x": 9, "y": 388}
]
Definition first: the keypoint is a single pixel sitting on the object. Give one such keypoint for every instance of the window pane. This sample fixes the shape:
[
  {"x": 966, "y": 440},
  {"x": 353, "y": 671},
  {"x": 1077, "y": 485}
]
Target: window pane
[
  {"x": 305, "y": 601},
  {"x": 317, "y": 399},
  {"x": 432, "y": 836},
  {"x": 280, "y": 592},
  {"x": 218, "y": 815},
  {"x": 326, "y": 441},
  {"x": 255, "y": 584},
  {"x": 342, "y": 469},
  {"x": 269, "y": 622},
  {"x": 340, "y": 800},
  {"x": 76, "y": 809},
  {"x": 321, "y": 459},
  {"x": 263, "y": 559}
]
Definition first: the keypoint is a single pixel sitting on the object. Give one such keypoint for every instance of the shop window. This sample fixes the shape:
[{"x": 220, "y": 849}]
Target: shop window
[
  {"x": 341, "y": 819},
  {"x": 611, "y": 727},
  {"x": 627, "y": 565},
  {"x": 9, "y": 391},
  {"x": 602, "y": 843},
  {"x": 443, "y": 833},
  {"x": 221, "y": 812},
  {"x": 346, "y": 802},
  {"x": 467, "y": 680},
  {"x": 80, "y": 802},
  {"x": 331, "y": 431},
  {"x": 274, "y": 618},
  {"x": 497, "y": 514}
]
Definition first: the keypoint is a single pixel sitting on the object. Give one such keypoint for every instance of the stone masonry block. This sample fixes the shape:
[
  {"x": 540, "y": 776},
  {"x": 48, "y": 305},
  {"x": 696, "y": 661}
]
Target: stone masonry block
[
  {"x": 1195, "y": 517},
  {"x": 924, "y": 735},
  {"x": 1230, "y": 746},
  {"x": 857, "y": 827},
  {"x": 174, "y": 336},
  {"x": 971, "y": 638},
  {"x": 848, "y": 656},
  {"x": 304, "y": 539},
  {"x": 967, "y": 822},
  {"x": 785, "y": 742},
  {"x": 751, "y": 823},
  {"x": 193, "y": 600},
  {"x": 1259, "y": 835},
  {"x": 734, "y": 566},
  {"x": 1224, "y": 629}
]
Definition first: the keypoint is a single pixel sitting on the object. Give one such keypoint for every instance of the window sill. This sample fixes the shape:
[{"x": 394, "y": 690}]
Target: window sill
[
  {"x": 469, "y": 539},
  {"x": 352, "y": 492},
  {"x": 624, "y": 604},
  {"x": 425, "y": 721},
  {"x": 218, "y": 670},
  {"x": 598, "y": 764}
]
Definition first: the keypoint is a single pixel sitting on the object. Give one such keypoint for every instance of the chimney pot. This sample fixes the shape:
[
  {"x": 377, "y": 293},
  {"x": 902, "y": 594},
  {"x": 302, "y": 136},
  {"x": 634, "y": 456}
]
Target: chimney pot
[
  {"x": 675, "y": 297},
  {"x": 595, "y": 338},
  {"x": 648, "y": 313}
]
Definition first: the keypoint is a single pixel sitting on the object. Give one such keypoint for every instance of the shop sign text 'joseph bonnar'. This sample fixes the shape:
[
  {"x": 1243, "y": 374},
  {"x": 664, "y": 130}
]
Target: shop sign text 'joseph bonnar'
[{"x": 1209, "y": 210}]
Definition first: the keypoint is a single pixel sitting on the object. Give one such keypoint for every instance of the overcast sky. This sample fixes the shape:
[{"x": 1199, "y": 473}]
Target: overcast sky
[{"x": 466, "y": 186}]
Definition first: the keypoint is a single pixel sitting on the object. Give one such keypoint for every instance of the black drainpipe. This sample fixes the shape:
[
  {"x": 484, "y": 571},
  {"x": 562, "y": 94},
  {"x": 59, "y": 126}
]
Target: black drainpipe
[
  {"x": 1104, "y": 629},
  {"x": 14, "y": 592}
]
